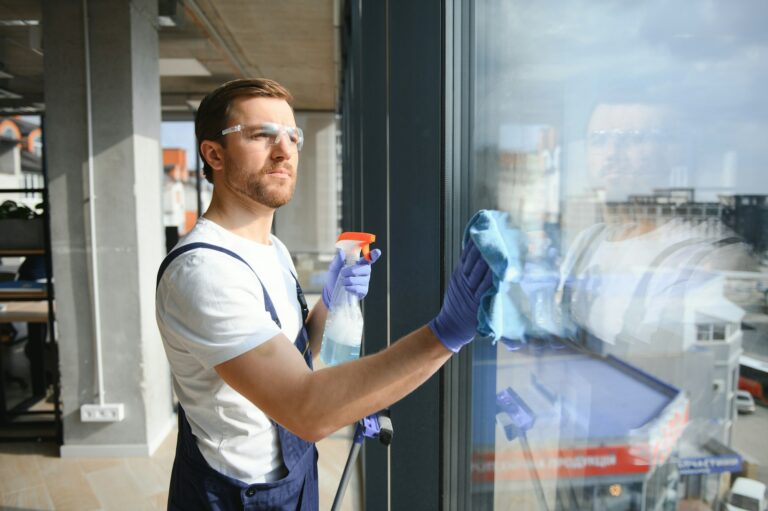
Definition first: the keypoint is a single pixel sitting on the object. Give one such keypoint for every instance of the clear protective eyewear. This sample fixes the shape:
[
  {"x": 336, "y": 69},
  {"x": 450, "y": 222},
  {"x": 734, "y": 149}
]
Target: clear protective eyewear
[
  {"x": 629, "y": 136},
  {"x": 268, "y": 134}
]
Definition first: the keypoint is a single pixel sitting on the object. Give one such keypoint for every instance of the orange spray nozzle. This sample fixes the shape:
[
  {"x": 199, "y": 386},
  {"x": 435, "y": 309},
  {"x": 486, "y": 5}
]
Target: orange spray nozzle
[{"x": 356, "y": 241}]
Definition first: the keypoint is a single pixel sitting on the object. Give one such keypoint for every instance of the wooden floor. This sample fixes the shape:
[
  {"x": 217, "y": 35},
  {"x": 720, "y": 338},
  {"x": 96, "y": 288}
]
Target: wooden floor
[{"x": 33, "y": 476}]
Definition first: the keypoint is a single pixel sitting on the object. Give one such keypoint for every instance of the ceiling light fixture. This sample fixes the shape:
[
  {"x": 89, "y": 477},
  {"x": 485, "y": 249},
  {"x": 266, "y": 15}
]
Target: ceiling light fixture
[
  {"x": 175, "y": 108},
  {"x": 166, "y": 21},
  {"x": 19, "y": 23},
  {"x": 6, "y": 94},
  {"x": 169, "y": 14},
  {"x": 182, "y": 67}
]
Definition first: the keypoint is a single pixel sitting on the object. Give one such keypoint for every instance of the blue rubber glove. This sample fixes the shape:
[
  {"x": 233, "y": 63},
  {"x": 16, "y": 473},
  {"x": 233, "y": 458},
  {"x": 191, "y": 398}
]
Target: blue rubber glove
[
  {"x": 456, "y": 323},
  {"x": 355, "y": 278}
]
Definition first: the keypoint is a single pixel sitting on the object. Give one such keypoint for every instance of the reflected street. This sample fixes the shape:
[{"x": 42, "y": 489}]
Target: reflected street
[{"x": 749, "y": 439}]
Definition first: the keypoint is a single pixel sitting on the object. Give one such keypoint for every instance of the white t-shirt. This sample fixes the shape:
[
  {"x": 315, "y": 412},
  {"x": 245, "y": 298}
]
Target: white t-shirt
[
  {"x": 652, "y": 275},
  {"x": 210, "y": 309}
]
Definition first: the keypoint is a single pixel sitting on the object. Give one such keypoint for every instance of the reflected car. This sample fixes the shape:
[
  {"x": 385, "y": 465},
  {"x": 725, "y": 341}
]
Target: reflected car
[
  {"x": 744, "y": 402},
  {"x": 746, "y": 495}
]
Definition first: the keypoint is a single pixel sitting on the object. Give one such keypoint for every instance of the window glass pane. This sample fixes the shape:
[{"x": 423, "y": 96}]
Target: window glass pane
[
  {"x": 718, "y": 333},
  {"x": 186, "y": 193},
  {"x": 22, "y": 243},
  {"x": 626, "y": 142},
  {"x": 21, "y": 161},
  {"x": 310, "y": 223}
]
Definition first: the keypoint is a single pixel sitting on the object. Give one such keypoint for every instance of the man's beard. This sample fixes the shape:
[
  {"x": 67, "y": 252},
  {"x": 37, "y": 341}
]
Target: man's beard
[{"x": 254, "y": 186}]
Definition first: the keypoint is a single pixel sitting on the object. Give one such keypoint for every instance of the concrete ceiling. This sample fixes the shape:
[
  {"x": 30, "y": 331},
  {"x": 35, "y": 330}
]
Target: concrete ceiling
[{"x": 292, "y": 41}]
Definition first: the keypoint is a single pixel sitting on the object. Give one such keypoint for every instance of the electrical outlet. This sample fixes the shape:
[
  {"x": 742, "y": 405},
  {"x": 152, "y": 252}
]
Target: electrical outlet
[{"x": 113, "y": 412}]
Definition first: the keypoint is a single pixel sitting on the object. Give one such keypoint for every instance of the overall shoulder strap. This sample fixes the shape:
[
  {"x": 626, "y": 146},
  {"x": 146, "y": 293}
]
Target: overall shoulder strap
[
  {"x": 192, "y": 246},
  {"x": 636, "y": 310},
  {"x": 268, "y": 305},
  {"x": 299, "y": 293}
]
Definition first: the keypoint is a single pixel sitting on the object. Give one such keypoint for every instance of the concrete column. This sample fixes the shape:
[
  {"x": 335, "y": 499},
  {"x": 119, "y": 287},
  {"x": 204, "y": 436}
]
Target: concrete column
[{"x": 128, "y": 172}]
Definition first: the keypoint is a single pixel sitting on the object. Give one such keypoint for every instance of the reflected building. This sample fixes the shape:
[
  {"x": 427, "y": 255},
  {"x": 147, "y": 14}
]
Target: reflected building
[
  {"x": 526, "y": 181},
  {"x": 687, "y": 333},
  {"x": 21, "y": 158},
  {"x": 664, "y": 205},
  {"x": 661, "y": 303},
  {"x": 747, "y": 215},
  {"x": 650, "y": 284}
]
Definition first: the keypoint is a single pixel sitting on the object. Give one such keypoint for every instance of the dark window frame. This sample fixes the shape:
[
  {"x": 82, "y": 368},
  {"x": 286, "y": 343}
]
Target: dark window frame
[{"x": 393, "y": 110}]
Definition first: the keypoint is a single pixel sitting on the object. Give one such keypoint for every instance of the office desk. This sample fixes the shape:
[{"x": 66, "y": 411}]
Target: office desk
[
  {"x": 23, "y": 290},
  {"x": 24, "y": 312}
]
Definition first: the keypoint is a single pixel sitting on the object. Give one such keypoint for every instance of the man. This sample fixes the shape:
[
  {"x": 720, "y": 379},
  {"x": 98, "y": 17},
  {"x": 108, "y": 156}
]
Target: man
[
  {"x": 636, "y": 273},
  {"x": 228, "y": 309}
]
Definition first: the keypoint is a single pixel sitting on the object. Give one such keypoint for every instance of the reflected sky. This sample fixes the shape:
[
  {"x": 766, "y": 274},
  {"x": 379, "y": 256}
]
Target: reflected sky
[{"x": 705, "y": 58}]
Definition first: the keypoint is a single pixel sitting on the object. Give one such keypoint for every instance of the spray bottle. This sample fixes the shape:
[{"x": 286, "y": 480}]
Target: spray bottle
[{"x": 344, "y": 325}]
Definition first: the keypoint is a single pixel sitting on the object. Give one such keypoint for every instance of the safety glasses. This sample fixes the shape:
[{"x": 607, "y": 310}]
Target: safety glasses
[{"x": 264, "y": 136}]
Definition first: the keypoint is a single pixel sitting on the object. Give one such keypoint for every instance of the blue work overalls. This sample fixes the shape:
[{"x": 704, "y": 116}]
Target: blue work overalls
[{"x": 195, "y": 485}]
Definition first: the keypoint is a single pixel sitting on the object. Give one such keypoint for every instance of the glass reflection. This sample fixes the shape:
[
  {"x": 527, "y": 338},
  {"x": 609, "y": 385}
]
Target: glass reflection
[{"x": 615, "y": 143}]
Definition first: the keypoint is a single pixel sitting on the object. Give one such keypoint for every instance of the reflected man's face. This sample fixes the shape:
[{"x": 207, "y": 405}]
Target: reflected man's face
[{"x": 630, "y": 149}]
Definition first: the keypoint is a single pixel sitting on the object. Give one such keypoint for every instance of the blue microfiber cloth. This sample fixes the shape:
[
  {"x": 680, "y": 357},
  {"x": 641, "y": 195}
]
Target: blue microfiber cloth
[{"x": 503, "y": 247}]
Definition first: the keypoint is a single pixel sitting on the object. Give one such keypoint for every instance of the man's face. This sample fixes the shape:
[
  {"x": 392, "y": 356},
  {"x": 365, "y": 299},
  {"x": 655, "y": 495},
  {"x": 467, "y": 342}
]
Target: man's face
[
  {"x": 630, "y": 149},
  {"x": 265, "y": 175}
]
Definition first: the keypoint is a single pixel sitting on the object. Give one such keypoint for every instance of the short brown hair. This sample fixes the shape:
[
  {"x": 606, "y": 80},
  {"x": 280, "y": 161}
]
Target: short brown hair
[{"x": 212, "y": 115}]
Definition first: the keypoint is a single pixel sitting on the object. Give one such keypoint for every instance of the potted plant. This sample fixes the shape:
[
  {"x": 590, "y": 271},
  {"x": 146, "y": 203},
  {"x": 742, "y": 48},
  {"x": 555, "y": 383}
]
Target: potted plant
[{"x": 21, "y": 228}]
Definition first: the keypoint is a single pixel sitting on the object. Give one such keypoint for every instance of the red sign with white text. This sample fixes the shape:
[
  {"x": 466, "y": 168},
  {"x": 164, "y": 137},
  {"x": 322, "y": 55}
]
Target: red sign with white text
[{"x": 633, "y": 457}]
